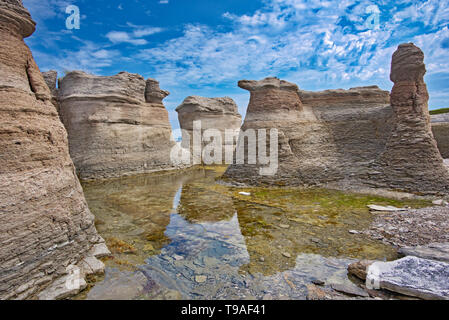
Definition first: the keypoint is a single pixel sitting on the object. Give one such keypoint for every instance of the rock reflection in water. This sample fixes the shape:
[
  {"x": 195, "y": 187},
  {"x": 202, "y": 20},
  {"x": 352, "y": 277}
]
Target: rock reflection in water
[{"x": 182, "y": 235}]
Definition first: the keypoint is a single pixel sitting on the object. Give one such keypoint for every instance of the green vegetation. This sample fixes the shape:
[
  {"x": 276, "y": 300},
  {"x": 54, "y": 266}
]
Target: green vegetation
[{"x": 439, "y": 111}]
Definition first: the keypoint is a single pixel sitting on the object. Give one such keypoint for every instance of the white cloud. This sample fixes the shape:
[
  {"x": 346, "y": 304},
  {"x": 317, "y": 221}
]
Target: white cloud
[
  {"x": 121, "y": 37},
  {"x": 135, "y": 36}
]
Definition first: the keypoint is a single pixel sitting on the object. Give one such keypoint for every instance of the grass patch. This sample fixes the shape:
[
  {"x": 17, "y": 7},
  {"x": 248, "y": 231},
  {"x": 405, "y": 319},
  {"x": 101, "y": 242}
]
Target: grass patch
[{"x": 439, "y": 111}]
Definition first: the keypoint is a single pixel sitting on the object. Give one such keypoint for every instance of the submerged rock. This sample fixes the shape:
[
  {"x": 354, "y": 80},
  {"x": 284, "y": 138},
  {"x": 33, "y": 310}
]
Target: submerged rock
[
  {"x": 117, "y": 125},
  {"x": 412, "y": 276},
  {"x": 45, "y": 224}
]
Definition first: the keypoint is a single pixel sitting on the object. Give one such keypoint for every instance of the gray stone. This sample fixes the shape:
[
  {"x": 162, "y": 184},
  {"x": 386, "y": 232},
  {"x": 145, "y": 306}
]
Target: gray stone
[
  {"x": 433, "y": 251},
  {"x": 350, "y": 290},
  {"x": 100, "y": 250},
  {"x": 92, "y": 265},
  {"x": 62, "y": 288},
  {"x": 411, "y": 276}
]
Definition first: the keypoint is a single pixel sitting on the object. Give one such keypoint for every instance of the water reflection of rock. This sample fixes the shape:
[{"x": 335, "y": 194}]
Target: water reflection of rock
[
  {"x": 200, "y": 203},
  {"x": 191, "y": 238},
  {"x": 132, "y": 213}
]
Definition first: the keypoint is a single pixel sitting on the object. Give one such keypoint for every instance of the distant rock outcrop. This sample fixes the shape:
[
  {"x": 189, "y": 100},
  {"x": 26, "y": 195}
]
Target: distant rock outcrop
[
  {"x": 411, "y": 160},
  {"x": 117, "y": 125},
  {"x": 213, "y": 113},
  {"x": 349, "y": 138},
  {"x": 45, "y": 224},
  {"x": 51, "y": 78},
  {"x": 440, "y": 129}
]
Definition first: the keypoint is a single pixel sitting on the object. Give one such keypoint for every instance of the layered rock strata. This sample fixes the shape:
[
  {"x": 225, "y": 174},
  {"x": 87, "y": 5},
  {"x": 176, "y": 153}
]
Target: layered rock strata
[
  {"x": 220, "y": 114},
  {"x": 117, "y": 125},
  {"x": 45, "y": 224},
  {"x": 51, "y": 78},
  {"x": 323, "y": 136},
  {"x": 440, "y": 130},
  {"x": 411, "y": 160},
  {"x": 349, "y": 138}
]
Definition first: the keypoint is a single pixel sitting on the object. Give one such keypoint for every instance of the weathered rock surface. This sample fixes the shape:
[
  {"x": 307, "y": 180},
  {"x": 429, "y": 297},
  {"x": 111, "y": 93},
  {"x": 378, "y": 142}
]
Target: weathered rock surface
[
  {"x": 349, "y": 138},
  {"x": 440, "y": 129},
  {"x": 360, "y": 268},
  {"x": 117, "y": 125},
  {"x": 433, "y": 251},
  {"x": 323, "y": 136},
  {"x": 412, "y": 276},
  {"x": 51, "y": 78},
  {"x": 411, "y": 160},
  {"x": 212, "y": 113},
  {"x": 45, "y": 224}
]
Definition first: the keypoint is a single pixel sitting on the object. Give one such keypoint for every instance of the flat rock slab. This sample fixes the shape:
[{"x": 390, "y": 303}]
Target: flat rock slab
[
  {"x": 100, "y": 250},
  {"x": 375, "y": 207},
  {"x": 350, "y": 290},
  {"x": 433, "y": 251},
  {"x": 411, "y": 276},
  {"x": 62, "y": 288}
]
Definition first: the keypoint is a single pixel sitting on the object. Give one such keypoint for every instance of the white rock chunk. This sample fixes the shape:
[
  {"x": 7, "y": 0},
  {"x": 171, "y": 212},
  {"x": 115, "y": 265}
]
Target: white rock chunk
[{"x": 411, "y": 276}]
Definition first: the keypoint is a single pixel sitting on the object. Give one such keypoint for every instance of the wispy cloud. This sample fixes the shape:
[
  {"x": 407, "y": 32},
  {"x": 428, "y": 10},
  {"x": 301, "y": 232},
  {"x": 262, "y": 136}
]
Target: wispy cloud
[{"x": 134, "y": 37}]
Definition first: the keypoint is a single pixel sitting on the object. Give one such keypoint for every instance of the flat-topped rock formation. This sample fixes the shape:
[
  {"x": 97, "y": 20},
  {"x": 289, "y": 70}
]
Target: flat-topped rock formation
[
  {"x": 359, "y": 121},
  {"x": 411, "y": 160},
  {"x": 45, "y": 224},
  {"x": 117, "y": 125},
  {"x": 212, "y": 113},
  {"x": 349, "y": 138},
  {"x": 323, "y": 136},
  {"x": 440, "y": 129}
]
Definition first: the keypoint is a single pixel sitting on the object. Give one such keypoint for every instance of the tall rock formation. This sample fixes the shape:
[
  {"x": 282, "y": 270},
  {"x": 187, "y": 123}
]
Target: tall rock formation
[
  {"x": 411, "y": 160},
  {"x": 45, "y": 224},
  {"x": 212, "y": 113},
  {"x": 117, "y": 125},
  {"x": 440, "y": 129}
]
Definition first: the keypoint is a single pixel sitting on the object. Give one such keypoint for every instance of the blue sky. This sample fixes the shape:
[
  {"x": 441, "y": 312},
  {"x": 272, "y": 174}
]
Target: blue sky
[{"x": 203, "y": 47}]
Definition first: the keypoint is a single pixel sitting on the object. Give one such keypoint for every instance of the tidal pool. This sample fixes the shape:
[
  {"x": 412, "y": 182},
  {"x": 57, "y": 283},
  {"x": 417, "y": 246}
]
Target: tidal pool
[{"x": 182, "y": 235}]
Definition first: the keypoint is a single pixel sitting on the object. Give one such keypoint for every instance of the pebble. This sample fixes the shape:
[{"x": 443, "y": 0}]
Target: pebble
[
  {"x": 353, "y": 232},
  {"x": 200, "y": 279},
  {"x": 318, "y": 282},
  {"x": 286, "y": 254},
  {"x": 284, "y": 226},
  {"x": 262, "y": 259},
  {"x": 245, "y": 193}
]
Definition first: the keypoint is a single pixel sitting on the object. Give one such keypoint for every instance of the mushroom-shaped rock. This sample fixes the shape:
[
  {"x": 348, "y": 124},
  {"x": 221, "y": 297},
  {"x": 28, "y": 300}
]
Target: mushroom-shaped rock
[{"x": 153, "y": 93}]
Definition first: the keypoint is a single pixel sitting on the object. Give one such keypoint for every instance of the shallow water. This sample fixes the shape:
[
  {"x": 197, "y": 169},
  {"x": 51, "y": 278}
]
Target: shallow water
[{"x": 184, "y": 236}]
